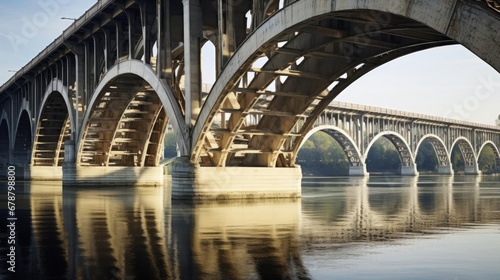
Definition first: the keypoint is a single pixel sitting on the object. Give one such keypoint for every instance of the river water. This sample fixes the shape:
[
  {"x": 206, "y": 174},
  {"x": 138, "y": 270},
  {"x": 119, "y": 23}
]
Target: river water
[{"x": 430, "y": 227}]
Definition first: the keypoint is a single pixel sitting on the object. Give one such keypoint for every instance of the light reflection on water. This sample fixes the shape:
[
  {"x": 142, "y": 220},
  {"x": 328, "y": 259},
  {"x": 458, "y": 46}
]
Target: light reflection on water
[{"x": 345, "y": 228}]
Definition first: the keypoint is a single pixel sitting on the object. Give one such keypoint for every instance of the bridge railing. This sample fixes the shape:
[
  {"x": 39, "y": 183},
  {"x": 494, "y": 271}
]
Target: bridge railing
[{"x": 402, "y": 114}]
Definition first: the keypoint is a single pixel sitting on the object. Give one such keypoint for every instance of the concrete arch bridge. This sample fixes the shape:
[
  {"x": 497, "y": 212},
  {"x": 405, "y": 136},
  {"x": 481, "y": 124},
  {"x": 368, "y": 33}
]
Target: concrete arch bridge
[
  {"x": 357, "y": 127},
  {"x": 99, "y": 98}
]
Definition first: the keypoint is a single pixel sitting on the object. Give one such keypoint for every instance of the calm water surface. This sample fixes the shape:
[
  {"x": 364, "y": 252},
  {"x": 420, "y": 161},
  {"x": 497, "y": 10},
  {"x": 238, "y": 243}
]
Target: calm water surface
[{"x": 432, "y": 227}]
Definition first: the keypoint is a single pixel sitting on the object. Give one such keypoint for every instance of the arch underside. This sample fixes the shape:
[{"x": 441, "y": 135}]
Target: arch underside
[
  {"x": 126, "y": 126},
  {"x": 440, "y": 151},
  {"x": 264, "y": 113},
  {"x": 467, "y": 152},
  {"x": 53, "y": 130},
  {"x": 4, "y": 142},
  {"x": 495, "y": 151},
  {"x": 401, "y": 147},
  {"x": 349, "y": 148},
  {"x": 22, "y": 143}
]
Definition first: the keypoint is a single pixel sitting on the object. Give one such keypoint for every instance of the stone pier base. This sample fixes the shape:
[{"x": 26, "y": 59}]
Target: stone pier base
[
  {"x": 472, "y": 170},
  {"x": 445, "y": 170},
  {"x": 409, "y": 171},
  {"x": 46, "y": 173},
  {"x": 111, "y": 175},
  {"x": 358, "y": 171},
  {"x": 194, "y": 182}
]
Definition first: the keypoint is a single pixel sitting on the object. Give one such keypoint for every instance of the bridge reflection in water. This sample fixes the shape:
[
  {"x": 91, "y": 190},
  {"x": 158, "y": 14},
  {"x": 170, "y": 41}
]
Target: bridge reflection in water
[{"x": 137, "y": 233}]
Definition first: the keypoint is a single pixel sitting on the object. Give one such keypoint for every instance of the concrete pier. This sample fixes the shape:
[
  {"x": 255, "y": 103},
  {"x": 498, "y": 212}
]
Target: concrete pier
[
  {"x": 472, "y": 170},
  {"x": 409, "y": 170},
  {"x": 112, "y": 175},
  {"x": 358, "y": 171},
  {"x": 46, "y": 173},
  {"x": 195, "y": 182},
  {"x": 445, "y": 170}
]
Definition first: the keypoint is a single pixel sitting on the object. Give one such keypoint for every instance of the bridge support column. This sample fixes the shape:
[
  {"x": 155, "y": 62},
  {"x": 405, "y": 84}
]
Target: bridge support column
[
  {"x": 472, "y": 170},
  {"x": 194, "y": 182},
  {"x": 358, "y": 170},
  {"x": 46, "y": 173},
  {"x": 445, "y": 170},
  {"x": 409, "y": 170},
  {"x": 20, "y": 160}
]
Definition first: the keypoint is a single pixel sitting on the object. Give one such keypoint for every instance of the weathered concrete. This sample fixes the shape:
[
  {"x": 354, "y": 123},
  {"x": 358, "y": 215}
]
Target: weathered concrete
[
  {"x": 195, "y": 182},
  {"x": 46, "y": 173},
  {"x": 112, "y": 175},
  {"x": 409, "y": 170},
  {"x": 358, "y": 170},
  {"x": 445, "y": 170},
  {"x": 472, "y": 170}
]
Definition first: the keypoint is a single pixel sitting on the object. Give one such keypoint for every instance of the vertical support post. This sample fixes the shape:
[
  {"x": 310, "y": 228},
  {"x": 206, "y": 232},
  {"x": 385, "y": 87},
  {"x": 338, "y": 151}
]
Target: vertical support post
[
  {"x": 119, "y": 40},
  {"x": 107, "y": 49},
  {"x": 130, "y": 41},
  {"x": 164, "y": 42},
  {"x": 146, "y": 30},
  {"x": 79, "y": 105},
  {"x": 94, "y": 63},
  {"x": 192, "y": 35},
  {"x": 220, "y": 37}
]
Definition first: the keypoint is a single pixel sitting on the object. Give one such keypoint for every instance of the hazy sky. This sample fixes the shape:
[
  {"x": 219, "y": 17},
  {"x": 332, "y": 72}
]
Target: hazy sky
[{"x": 447, "y": 81}]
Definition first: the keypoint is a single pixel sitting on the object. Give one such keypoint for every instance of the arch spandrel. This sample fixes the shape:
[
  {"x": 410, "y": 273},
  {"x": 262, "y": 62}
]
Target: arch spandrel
[{"x": 294, "y": 21}]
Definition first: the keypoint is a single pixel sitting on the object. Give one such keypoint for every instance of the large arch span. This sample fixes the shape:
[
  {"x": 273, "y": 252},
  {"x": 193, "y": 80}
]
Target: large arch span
[
  {"x": 442, "y": 154},
  {"x": 302, "y": 57},
  {"x": 469, "y": 156},
  {"x": 56, "y": 124},
  {"x": 127, "y": 117}
]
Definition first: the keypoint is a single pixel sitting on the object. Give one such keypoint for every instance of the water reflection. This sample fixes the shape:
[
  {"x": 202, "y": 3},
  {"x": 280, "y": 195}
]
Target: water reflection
[{"x": 137, "y": 233}]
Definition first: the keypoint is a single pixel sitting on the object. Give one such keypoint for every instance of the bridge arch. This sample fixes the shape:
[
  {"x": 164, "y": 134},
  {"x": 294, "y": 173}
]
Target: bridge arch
[
  {"x": 4, "y": 138},
  {"x": 469, "y": 155},
  {"x": 300, "y": 42},
  {"x": 408, "y": 166},
  {"x": 23, "y": 140},
  {"x": 492, "y": 145},
  {"x": 55, "y": 125},
  {"x": 495, "y": 151},
  {"x": 356, "y": 161},
  {"x": 132, "y": 102},
  {"x": 442, "y": 154}
]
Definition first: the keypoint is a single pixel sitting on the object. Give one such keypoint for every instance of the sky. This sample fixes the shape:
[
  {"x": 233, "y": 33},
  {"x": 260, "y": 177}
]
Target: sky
[{"x": 445, "y": 82}]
